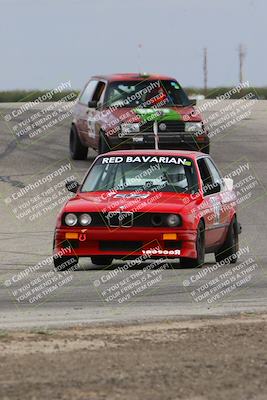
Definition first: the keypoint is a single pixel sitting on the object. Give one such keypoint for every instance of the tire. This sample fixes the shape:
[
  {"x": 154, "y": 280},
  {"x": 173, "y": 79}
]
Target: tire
[
  {"x": 206, "y": 149},
  {"x": 231, "y": 245},
  {"x": 103, "y": 146},
  {"x": 77, "y": 150},
  {"x": 200, "y": 245},
  {"x": 65, "y": 263},
  {"x": 102, "y": 260}
]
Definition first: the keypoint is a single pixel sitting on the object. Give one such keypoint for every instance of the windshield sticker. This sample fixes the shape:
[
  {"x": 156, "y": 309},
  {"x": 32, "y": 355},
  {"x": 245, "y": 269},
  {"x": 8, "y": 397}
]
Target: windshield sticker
[
  {"x": 130, "y": 196},
  {"x": 147, "y": 159},
  {"x": 175, "y": 85}
]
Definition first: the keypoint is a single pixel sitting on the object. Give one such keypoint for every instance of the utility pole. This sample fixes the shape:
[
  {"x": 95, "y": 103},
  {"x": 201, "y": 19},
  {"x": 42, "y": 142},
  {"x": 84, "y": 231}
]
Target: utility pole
[
  {"x": 205, "y": 69},
  {"x": 241, "y": 53},
  {"x": 139, "y": 57}
]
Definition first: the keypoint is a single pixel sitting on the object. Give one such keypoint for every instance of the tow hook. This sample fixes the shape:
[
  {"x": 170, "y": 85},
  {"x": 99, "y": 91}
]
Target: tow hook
[{"x": 82, "y": 236}]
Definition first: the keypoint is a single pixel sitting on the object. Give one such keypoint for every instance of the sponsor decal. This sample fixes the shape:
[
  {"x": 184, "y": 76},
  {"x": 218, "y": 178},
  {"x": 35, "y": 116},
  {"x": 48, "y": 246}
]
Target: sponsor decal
[
  {"x": 175, "y": 85},
  {"x": 130, "y": 196},
  {"x": 147, "y": 159},
  {"x": 162, "y": 114},
  {"x": 175, "y": 252}
]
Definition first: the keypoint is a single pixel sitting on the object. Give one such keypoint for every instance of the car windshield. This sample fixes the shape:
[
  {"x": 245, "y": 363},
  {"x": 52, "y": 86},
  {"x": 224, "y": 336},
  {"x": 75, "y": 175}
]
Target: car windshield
[
  {"x": 146, "y": 93},
  {"x": 142, "y": 173}
]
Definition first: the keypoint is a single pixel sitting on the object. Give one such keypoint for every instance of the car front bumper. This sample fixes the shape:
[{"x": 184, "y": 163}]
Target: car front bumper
[
  {"x": 126, "y": 242},
  {"x": 167, "y": 140}
]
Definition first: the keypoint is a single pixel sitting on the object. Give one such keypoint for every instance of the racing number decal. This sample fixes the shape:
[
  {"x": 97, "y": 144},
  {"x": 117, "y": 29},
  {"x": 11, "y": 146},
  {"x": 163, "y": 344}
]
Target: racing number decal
[
  {"x": 216, "y": 209},
  {"x": 91, "y": 126}
]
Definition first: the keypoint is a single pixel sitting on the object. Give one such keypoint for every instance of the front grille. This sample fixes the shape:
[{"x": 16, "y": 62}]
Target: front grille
[
  {"x": 139, "y": 219},
  {"x": 108, "y": 245},
  {"x": 164, "y": 126},
  {"x": 128, "y": 219},
  {"x": 116, "y": 219}
]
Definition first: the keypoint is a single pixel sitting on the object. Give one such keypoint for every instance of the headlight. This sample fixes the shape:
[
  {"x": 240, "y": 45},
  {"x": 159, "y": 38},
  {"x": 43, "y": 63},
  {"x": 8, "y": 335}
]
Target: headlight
[
  {"x": 85, "y": 219},
  {"x": 193, "y": 126},
  {"x": 156, "y": 219},
  {"x": 173, "y": 220},
  {"x": 71, "y": 219},
  {"x": 130, "y": 128}
]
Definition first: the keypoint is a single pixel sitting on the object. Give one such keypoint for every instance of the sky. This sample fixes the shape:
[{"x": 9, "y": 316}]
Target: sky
[{"x": 46, "y": 42}]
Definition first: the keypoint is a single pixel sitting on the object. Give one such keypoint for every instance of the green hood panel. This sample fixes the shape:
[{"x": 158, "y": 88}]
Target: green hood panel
[{"x": 162, "y": 114}]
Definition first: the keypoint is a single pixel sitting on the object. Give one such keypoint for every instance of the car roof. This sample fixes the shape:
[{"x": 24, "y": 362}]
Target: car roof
[
  {"x": 152, "y": 152},
  {"x": 132, "y": 77}
]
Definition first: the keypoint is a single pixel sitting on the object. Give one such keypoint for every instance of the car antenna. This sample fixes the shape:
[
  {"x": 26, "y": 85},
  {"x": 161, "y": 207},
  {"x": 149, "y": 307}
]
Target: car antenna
[{"x": 156, "y": 136}]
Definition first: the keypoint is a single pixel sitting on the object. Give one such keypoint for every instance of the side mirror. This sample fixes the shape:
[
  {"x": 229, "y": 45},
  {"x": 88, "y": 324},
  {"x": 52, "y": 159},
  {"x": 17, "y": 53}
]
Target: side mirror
[
  {"x": 211, "y": 188},
  {"x": 92, "y": 104},
  {"x": 72, "y": 186},
  {"x": 229, "y": 184}
]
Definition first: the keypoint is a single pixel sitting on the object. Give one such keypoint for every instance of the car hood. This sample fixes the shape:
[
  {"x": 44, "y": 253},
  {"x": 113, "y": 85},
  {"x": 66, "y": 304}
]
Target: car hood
[
  {"x": 130, "y": 201},
  {"x": 142, "y": 115}
]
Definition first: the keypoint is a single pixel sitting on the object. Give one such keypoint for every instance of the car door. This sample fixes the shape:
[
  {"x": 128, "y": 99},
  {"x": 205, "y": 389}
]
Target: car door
[
  {"x": 93, "y": 114},
  {"x": 82, "y": 111},
  {"x": 226, "y": 196},
  {"x": 211, "y": 206}
]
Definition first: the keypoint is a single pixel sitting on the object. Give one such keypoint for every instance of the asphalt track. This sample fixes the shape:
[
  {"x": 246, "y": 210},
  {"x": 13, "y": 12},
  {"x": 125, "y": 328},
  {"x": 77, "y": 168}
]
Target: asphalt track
[{"x": 172, "y": 292}]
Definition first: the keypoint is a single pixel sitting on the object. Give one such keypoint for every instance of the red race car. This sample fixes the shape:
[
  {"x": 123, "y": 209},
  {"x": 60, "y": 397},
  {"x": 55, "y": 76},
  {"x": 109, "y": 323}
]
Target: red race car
[
  {"x": 156, "y": 203},
  {"x": 118, "y": 111}
]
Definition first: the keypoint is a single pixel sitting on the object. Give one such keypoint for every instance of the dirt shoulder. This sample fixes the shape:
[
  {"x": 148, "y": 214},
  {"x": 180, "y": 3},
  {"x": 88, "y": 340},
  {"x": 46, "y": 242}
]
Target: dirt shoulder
[{"x": 193, "y": 360}]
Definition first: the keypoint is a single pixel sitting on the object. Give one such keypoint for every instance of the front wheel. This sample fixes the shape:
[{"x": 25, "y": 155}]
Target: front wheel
[
  {"x": 77, "y": 150},
  {"x": 200, "y": 247},
  {"x": 206, "y": 149},
  {"x": 227, "y": 252}
]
